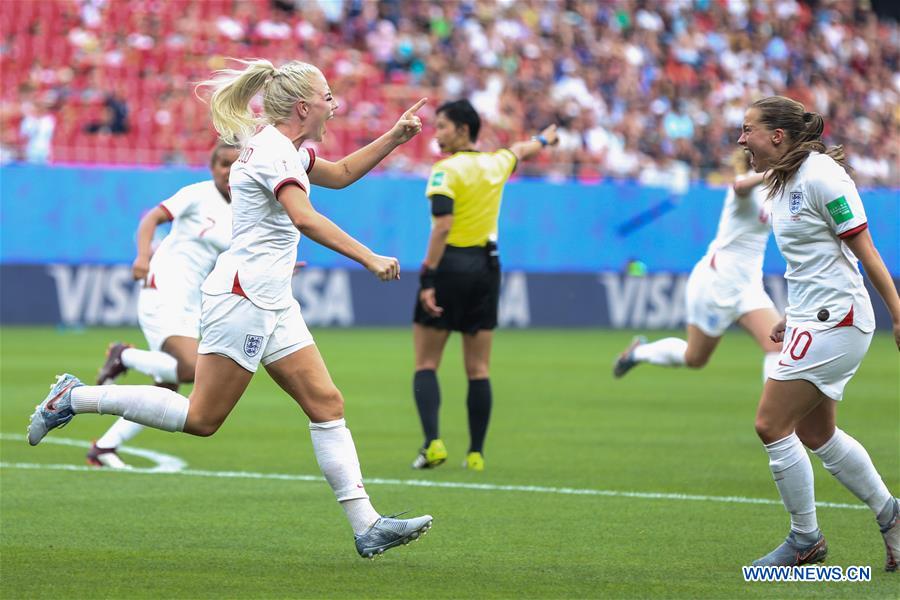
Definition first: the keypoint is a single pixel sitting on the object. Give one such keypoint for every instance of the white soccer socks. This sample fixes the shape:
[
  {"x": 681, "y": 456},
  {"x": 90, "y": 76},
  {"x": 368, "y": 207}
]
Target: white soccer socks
[
  {"x": 336, "y": 454},
  {"x": 148, "y": 405},
  {"x": 793, "y": 475},
  {"x": 120, "y": 432},
  {"x": 667, "y": 352},
  {"x": 848, "y": 461},
  {"x": 162, "y": 367}
]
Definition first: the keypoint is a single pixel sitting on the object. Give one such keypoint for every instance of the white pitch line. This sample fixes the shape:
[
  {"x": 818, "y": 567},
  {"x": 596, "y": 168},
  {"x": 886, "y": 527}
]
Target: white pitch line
[
  {"x": 165, "y": 463},
  {"x": 485, "y": 487}
]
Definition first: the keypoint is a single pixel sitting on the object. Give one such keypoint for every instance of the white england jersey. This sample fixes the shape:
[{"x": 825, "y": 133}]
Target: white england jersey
[
  {"x": 744, "y": 225},
  {"x": 260, "y": 262},
  {"x": 818, "y": 207},
  {"x": 201, "y": 230},
  {"x": 743, "y": 232}
]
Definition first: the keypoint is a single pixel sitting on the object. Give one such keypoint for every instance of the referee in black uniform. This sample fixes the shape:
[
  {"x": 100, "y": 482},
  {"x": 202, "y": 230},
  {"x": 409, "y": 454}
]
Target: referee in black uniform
[{"x": 460, "y": 279}]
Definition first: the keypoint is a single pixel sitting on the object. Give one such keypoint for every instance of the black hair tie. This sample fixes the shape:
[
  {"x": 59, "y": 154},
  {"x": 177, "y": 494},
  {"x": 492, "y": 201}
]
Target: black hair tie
[{"x": 807, "y": 117}]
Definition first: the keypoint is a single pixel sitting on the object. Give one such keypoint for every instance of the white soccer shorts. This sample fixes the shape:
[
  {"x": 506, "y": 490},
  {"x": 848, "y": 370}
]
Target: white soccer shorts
[
  {"x": 714, "y": 301},
  {"x": 827, "y": 358},
  {"x": 161, "y": 316},
  {"x": 233, "y": 326}
]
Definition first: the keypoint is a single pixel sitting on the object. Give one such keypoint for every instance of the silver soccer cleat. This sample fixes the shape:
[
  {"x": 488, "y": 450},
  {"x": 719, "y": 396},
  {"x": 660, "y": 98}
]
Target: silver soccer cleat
[
  {"x": 792, "y": 554},
  {"x": 388, "y": 532},
  {"x": 56, "y": 409}
]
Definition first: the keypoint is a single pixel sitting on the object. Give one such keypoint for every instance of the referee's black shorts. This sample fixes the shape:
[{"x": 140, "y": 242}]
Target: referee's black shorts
[{"x": 467, "y": 287}]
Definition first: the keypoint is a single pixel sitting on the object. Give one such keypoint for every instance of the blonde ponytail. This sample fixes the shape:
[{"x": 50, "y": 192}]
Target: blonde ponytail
[
  {"x": 281, "y": 89},
  {"x": 232, "y": 91}
]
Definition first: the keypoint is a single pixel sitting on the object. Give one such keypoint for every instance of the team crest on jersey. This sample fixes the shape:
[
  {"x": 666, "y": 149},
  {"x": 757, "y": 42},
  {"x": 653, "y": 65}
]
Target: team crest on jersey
[
  {"x": 252, "y": 345},
  {"x": 796, "y": 202}
]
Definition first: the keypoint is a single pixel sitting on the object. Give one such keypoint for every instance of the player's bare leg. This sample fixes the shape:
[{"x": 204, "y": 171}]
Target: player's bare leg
[
  {"x": 303, "y": 375},
  {"x": 700, "y": 347},
  {"x": 219, "y": 384},
  {"x": 184, "y": 350},
  {"x": 759, "y": 324},
  {"x": 783, "y": 406}
]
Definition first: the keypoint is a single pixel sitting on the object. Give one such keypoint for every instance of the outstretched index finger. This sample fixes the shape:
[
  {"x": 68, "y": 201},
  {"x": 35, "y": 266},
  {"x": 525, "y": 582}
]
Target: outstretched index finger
[{"x": 415, "y": 107}]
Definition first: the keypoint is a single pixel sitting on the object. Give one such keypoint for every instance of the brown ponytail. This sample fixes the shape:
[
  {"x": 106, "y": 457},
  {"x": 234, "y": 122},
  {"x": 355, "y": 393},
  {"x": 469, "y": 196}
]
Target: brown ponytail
[{"x": 803, "y": 133}]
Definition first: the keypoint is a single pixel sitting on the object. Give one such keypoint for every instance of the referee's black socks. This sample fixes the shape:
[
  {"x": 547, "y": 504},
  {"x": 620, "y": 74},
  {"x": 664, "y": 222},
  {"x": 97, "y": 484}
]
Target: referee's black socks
[
  {"x": 479, "y": 403},
  {"x": 428, "y": 401}
]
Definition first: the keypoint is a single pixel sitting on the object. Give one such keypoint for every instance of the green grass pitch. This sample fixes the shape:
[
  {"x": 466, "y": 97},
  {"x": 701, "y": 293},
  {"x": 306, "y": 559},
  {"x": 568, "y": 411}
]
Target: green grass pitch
[{"x": 560, "y": 421}]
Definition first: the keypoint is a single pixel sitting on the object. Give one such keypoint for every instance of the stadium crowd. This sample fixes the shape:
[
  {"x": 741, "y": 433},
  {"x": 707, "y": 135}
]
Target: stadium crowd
[{"x": 648, "y": 90}]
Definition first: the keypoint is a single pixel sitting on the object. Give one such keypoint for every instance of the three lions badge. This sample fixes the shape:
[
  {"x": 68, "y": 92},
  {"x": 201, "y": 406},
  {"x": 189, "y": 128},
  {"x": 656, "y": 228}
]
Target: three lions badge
[
  {"x": 252, "y": 345},
  {"x": 795, "y": 204}
]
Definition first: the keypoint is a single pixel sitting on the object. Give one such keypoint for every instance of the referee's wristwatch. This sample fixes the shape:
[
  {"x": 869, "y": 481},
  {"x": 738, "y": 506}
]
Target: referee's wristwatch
[{"x": 542, "y": 139}]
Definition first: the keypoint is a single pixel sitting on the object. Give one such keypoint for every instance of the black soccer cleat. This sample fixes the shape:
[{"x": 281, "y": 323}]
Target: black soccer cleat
[{"x": 113, "y": 366}]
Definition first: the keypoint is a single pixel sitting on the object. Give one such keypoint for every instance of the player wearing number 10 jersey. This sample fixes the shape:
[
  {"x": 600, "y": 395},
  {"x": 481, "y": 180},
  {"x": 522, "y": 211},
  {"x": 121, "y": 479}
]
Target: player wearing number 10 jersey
[{"x": 821, "y": 230}]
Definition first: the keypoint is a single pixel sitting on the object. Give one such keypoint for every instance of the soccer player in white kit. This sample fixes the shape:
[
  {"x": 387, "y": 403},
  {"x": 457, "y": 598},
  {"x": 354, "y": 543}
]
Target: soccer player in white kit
[
  {"x": 821, "y": 229},
  {"x": 725, "y": 285},
  {"x": 248, "y": 313},
  {"x": 169, "y": 302}
]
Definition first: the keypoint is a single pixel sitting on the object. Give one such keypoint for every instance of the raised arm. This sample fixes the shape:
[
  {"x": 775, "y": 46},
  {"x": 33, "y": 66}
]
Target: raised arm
[
  {"x": 743, "y": 185},
  {"x": 862, "y": 246},
  {"x": 321, "y": 230},
  {"x": 526, "y": 149},
  {"x": 342, "y": 173},
  {"x": 147, "y": 227}
]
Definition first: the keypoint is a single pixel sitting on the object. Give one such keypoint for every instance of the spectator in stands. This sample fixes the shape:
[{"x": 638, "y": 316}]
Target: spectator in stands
[
  {"x": 36, "y": 131},
  {"x": 115, "y": 119},
  {"x": 689, "y": 66}
]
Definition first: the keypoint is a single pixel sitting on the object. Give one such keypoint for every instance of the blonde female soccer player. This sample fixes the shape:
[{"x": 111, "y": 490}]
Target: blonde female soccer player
[
  {"x": 821, "y": 230},
  {"x": 248, "y": 314}
]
